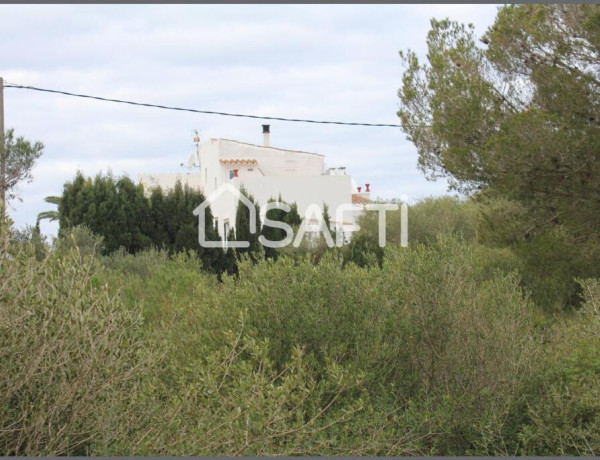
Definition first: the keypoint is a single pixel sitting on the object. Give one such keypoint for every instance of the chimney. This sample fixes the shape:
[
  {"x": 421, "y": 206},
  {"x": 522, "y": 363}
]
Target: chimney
[
  {"x": 359, "y": 189},
  {"x": 367, "y": 188},
  {"x": 266, "y": 135}
]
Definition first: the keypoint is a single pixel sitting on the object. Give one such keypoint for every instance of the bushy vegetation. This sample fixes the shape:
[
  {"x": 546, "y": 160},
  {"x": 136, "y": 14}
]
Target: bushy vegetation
[
  {"x": 437, "y": 350},
  {"x": 550, "y": 261},
  {"x": 131, "y": 220},
  {"x": 70, "y": 354},
  {"x": 476, "y": 339},
  {"x": 511, "y": 118}
]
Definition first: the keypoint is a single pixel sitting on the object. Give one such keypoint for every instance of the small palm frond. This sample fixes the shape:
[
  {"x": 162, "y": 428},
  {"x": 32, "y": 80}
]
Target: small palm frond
[
  {"x": 53, "y": 200},
  {"x": 49, "y": 215}
]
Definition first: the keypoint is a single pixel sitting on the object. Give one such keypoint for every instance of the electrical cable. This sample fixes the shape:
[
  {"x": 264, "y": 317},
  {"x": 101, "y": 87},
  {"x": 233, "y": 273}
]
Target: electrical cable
[{"x": 208, "y": 112}]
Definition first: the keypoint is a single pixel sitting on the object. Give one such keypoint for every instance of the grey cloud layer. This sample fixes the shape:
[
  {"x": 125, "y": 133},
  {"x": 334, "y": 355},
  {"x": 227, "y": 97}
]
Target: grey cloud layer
[{"x": 316, "y": 61}]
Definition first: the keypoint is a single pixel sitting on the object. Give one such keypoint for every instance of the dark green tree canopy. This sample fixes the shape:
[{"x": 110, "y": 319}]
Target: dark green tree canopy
[
  {"x": 516, "y": 115},
  {"x": 242, "y": 226},
  {"x": 127, "y": 217},
  {"x": 291, "y": 217}
]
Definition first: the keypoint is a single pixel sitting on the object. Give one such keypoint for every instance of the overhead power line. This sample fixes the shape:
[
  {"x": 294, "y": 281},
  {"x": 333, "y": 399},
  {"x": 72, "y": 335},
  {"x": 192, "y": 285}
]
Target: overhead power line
[{"x": 208, "y": 112}]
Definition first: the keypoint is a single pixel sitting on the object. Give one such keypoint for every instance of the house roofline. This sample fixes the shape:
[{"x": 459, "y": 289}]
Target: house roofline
[{"x": 263, "y": 147}]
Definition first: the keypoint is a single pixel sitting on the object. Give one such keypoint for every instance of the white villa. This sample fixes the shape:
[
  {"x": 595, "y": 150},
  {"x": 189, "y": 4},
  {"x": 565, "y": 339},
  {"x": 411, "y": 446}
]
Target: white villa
[{"x": 266, "y": 172}]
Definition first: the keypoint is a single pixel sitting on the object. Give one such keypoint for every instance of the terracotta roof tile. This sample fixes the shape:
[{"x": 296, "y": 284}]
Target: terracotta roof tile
[
  {"x": 239, "y": 162},
  {"x": 358, "y": 198}
]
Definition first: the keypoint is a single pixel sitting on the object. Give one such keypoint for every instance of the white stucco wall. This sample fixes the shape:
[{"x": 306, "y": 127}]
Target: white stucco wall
[
  {"x": 210, "y": 168},
  {"x": 304, "y": 191},
  {"x": 273, "y": 161},
  {"x": 298, "y": 177}
]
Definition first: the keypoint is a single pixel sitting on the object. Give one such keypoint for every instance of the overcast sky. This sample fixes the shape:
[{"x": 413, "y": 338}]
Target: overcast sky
[{"x": 330, "y": 62}]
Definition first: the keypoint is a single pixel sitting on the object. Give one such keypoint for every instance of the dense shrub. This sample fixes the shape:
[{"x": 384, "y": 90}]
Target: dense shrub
[
  {"x": 235, "y": 402},
  {"x": 144, "y": 263},
  {"x": 552, "y": 262},
  {"x": 466, "y": 337},
  {"x": 437, "y": 351},
  {"x": 30, "y": 238},
  {"x": 441, "y": 337},
  {"x": 427, "y": 220},
  {"x": 446, "y": 215},
  {"x": 552, "y": 255},
  {"x": 564, "y": 416},
  {"x": 69, "y": 355},
  {"x": 221, "y": 392},
  {"x": 81, "y": 240},
  {"x": 130, "y": 219},
  {"x": 444, "y": 321}
]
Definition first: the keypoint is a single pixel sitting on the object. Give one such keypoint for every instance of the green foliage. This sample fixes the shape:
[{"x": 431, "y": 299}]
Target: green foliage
[
  {"x": 237, "y": 403},
  {"x": 551, "y": 258},
  {"x": 432, "y": 217},
  {"x": 116, "y": 210},
  {"x": 363, "y": 249},
  {"x": 18, "y": 156},
  {"x": 552, "y": 261},
  {"x": 440, "y": 338},
  {"x": 433, "y": 323},
  {"x": 80, "y": 240},
  {"x": 503, "y": 117},
  {"x": 243, "y": 232},
  {"x": 564, "y": 415},
  {"x": 50, "y": 215},
  {"x": 127, "y": 219},
  {"x": 427, "y": 220},
  {"x": 517, "y": 121},
  {"x": 30, "y": 238},
  {"x": 432, "y": 350},
  {"x": 275, "y": 234},
  {"x": 143, "y": 263},
  {"x": 221, "y": 393},
  {"x": 70, "y": 356}
]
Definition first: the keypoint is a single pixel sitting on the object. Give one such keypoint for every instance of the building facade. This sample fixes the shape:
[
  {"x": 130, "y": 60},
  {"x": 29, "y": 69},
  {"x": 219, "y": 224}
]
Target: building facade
[{"x": 267, "y": 173}]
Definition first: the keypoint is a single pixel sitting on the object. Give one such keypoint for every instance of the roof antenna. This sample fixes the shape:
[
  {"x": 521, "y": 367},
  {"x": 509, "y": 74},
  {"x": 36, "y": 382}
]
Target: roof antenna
[
  {"x": 191, "y": 163},
  {"x": 197, "y": 142}
]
